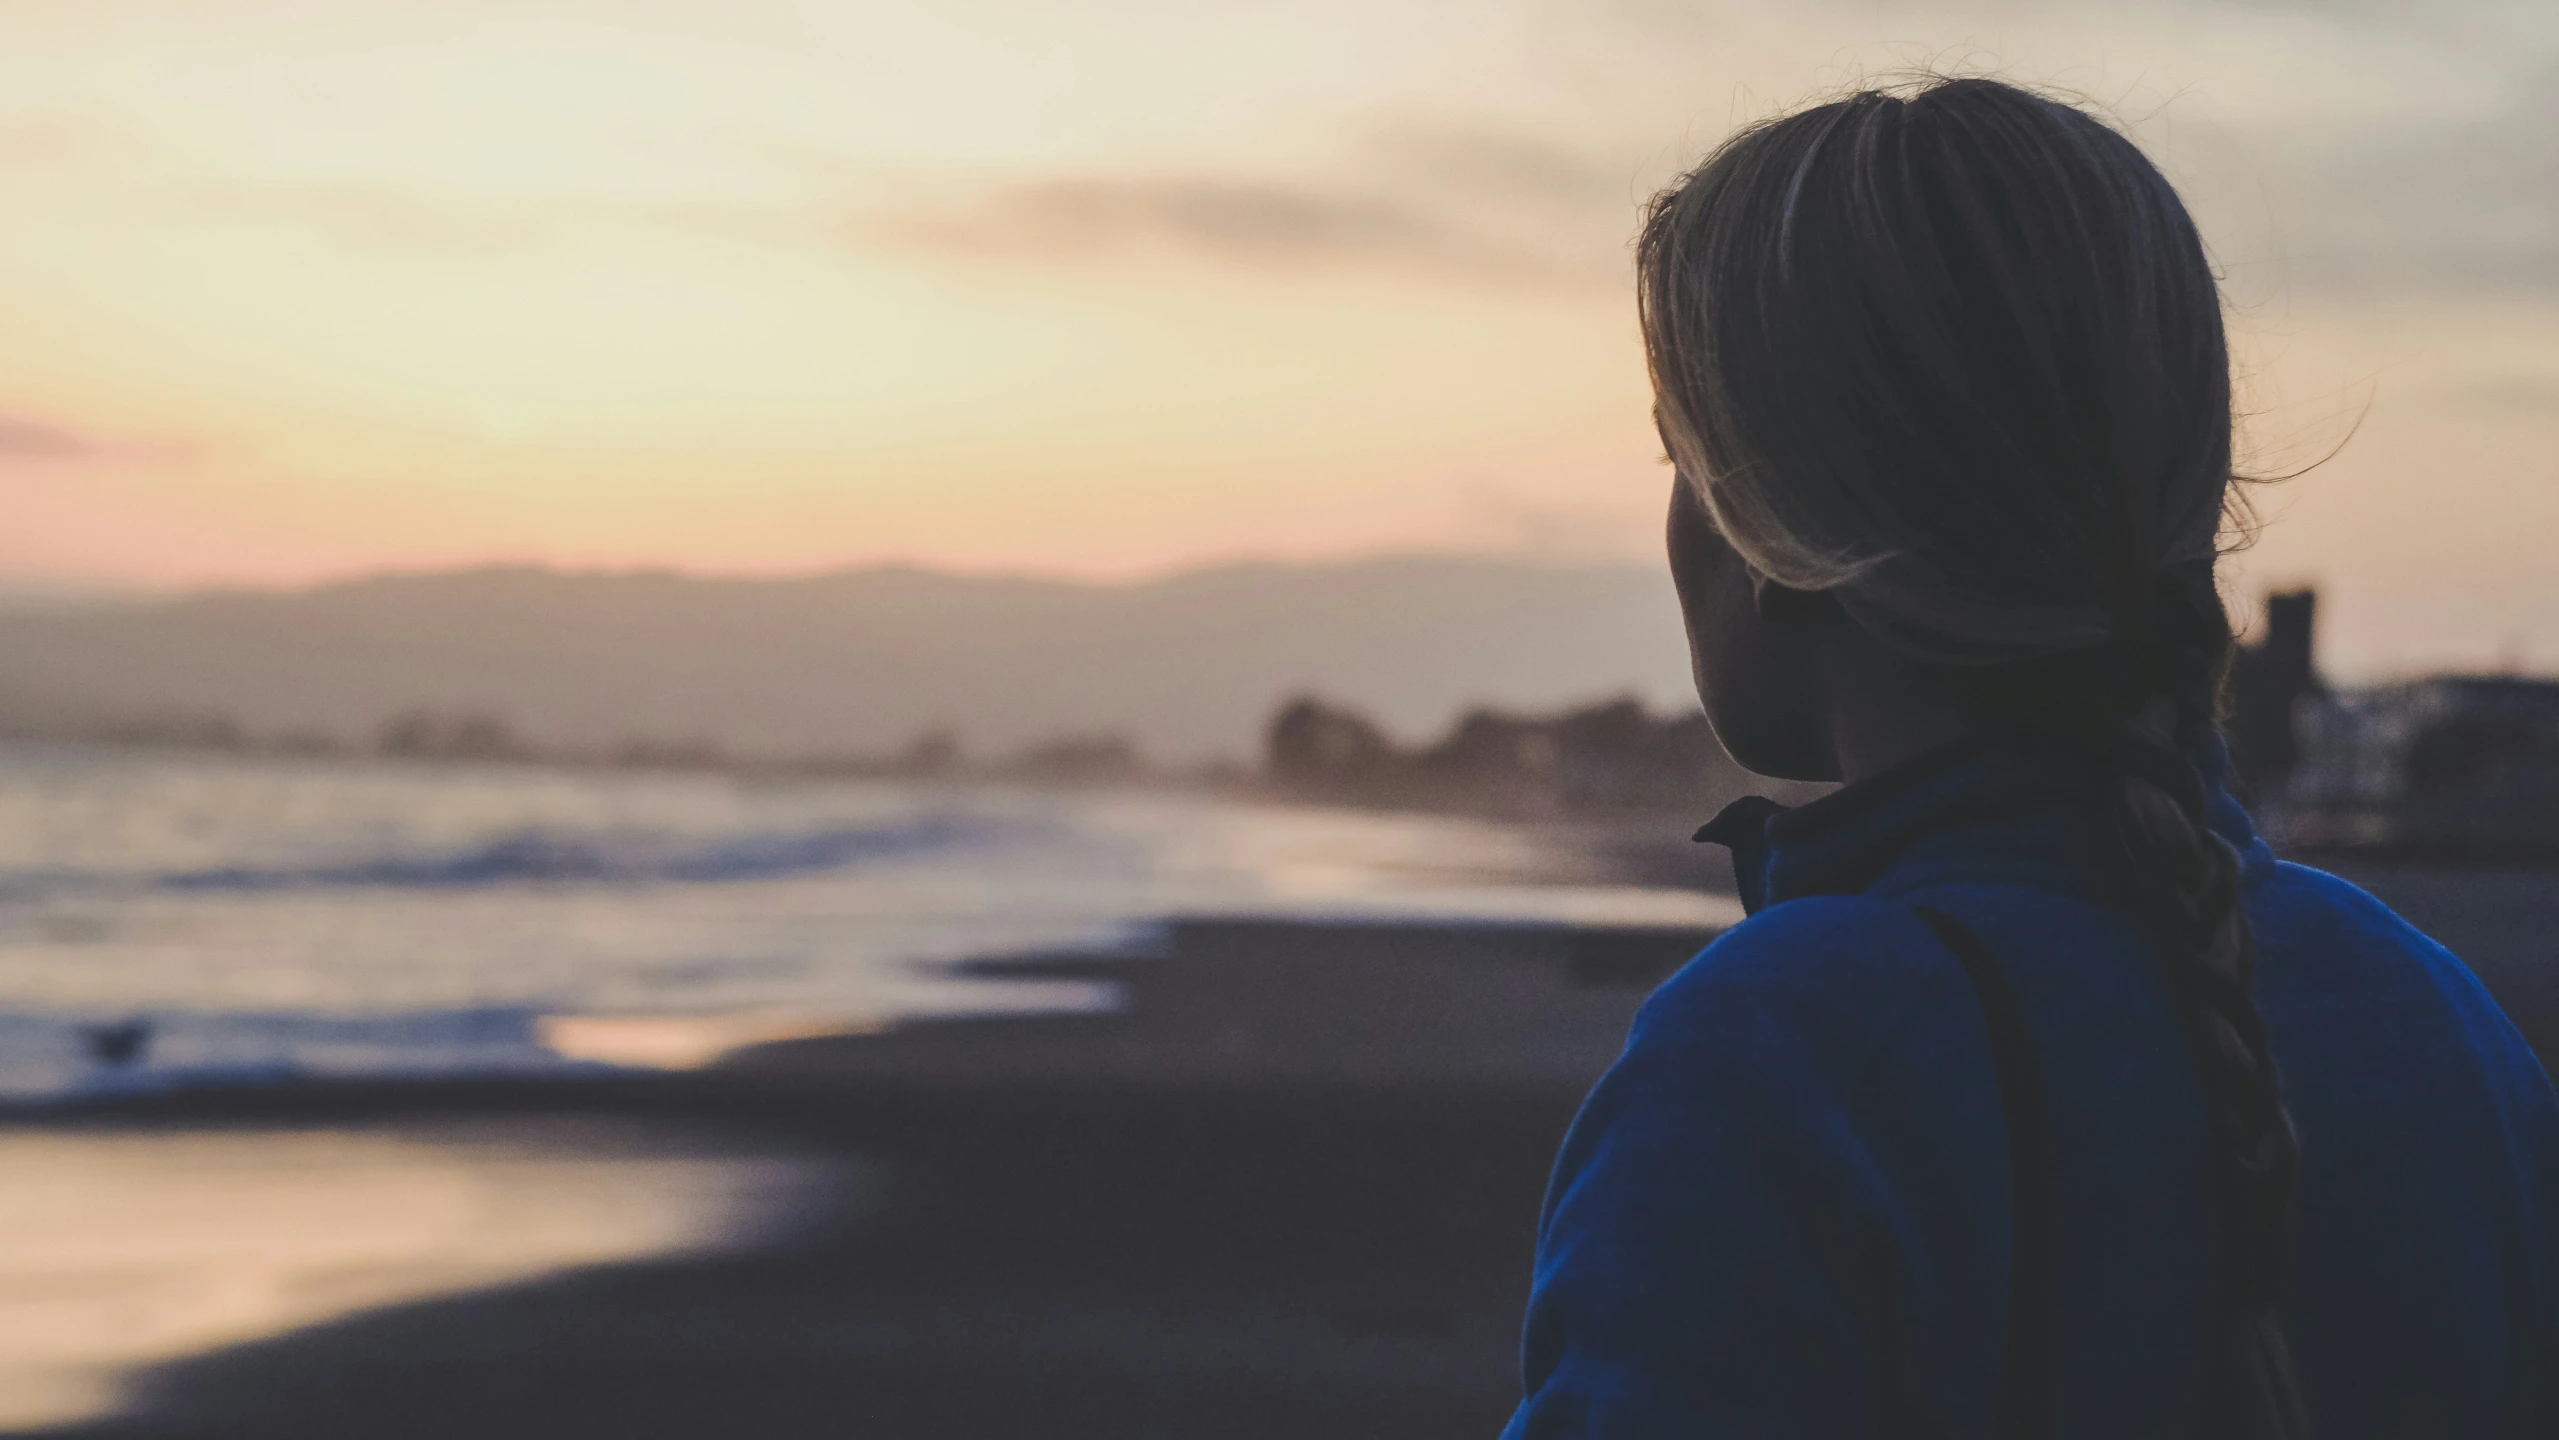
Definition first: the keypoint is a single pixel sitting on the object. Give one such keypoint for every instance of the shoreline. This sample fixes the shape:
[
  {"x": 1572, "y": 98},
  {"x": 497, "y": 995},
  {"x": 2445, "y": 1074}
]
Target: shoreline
[
  {"x": 1217, "y": 979},
  {"x": 1289, "y": 1188},
  {"x": 1239, "y": 1002},
  {"x": 1215, "y": 1212}
]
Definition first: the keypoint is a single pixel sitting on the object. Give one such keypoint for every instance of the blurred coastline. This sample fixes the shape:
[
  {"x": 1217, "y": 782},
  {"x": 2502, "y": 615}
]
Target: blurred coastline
[
  {"x": 1238, "y": 1130},
  {"x": 1298, "y": 684},
  {"x": 173, "y": 919},
  {"x": 1271, "y": 1168},
  {"x": 461, "y": 1086},
  {"x": 1287, "y": 1185}
]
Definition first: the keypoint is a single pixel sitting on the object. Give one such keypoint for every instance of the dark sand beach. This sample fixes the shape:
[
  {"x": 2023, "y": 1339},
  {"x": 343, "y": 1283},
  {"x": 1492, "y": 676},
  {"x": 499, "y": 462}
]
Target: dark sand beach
[{"x": 1290, "y": 1191}]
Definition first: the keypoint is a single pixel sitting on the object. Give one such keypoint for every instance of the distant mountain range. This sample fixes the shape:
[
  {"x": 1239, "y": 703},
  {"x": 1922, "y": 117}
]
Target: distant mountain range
[{"x": 1189, "y": 666}]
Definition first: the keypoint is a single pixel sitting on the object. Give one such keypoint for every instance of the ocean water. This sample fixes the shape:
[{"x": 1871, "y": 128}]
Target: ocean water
[{"x": 257, "y": 919}]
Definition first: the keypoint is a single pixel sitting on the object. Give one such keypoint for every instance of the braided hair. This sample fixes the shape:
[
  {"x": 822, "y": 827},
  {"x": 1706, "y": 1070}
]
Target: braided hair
[
  {"x": 2185, "y": 880},
  {"x": 1955, "y": 358}
]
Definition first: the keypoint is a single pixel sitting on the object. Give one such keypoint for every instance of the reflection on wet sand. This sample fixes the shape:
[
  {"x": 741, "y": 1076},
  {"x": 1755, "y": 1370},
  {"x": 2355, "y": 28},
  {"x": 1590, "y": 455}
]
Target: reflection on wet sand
[
  {"x": 1287, "y": 1188},
  {"x": 124, "y": 1247}
]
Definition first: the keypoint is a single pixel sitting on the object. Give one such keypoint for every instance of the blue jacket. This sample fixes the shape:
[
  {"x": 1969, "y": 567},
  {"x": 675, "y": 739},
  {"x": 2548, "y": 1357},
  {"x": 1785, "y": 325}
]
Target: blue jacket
[{"x": 1787, "y": 1205}]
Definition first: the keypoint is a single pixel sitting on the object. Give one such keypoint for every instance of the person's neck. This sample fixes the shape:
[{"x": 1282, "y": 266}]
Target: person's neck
[{"x": 1884, "y": 708}]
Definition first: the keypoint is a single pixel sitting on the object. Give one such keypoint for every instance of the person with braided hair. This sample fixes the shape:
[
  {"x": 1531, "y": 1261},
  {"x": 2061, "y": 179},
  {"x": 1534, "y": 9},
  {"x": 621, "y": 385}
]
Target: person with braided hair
[{"x": 2036, "y": 1097}]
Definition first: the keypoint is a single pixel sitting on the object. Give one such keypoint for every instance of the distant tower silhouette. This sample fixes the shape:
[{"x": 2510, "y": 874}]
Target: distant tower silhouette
[{"x": 2268, "y": 681}]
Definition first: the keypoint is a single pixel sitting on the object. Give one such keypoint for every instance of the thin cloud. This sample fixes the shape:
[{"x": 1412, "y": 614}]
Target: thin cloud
[
  {"x": 385, "y": 218},
  {"x": 1247, "y": 221},
  {"x": 2473, "y": 205},
  {"x": 24, "y": 439},
  {"x": 1487, "y": 164}
]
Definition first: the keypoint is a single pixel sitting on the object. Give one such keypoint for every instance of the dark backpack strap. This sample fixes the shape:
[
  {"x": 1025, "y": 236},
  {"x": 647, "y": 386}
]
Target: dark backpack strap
[{"x": 2026, "y": 1409}]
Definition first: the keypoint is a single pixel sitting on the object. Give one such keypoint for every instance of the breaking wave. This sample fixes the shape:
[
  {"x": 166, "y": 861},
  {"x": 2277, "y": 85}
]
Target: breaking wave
[{"x": 534, "y": 856}]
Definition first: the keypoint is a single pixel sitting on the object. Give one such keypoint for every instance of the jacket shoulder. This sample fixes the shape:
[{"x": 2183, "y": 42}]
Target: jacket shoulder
[
  {"x": 2314, "y": 924},
  {"x": 1831, "y": 968}
]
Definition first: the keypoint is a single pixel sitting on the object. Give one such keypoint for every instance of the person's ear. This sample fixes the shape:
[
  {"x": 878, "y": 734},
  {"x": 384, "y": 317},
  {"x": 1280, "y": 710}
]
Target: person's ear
[{"x": 1779, "y": 605}]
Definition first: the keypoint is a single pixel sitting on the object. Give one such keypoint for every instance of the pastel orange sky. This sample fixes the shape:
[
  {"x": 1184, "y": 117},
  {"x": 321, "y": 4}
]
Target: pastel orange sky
[{"x": 292, "y": 290}]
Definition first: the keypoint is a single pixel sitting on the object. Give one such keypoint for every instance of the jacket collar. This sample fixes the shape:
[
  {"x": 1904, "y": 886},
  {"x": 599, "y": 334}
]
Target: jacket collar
[{"x": 1844, "y": 841}]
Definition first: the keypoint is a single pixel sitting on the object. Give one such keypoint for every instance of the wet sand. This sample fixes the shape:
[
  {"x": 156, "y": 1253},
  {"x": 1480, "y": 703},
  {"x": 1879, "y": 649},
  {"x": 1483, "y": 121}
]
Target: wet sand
[
  {"x": 1090, "y": 1264},
  {"x": 1249, "y": 1207},
  {"x": 122, "y": 1246},
  {"x": 1290, "y": 1191},
  {"x": 1155, "y": 1269}
]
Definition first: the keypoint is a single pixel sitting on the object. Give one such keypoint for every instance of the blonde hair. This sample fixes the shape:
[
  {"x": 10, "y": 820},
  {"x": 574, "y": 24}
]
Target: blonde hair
[{"x": 1955, "y": 359}]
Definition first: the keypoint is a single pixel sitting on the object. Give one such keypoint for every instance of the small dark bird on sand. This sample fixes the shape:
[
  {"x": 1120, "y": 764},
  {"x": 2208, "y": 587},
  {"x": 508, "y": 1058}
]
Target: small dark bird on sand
[{"x": 118, "y": 1043}]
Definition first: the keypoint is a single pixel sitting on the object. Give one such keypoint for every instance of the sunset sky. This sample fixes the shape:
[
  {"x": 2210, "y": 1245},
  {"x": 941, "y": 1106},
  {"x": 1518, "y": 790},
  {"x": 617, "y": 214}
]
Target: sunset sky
[{"x": 292, "y": 290}]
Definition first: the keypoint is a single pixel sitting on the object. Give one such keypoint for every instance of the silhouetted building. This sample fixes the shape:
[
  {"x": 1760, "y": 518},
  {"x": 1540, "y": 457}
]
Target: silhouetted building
[
  {"x": 2270, "y": 682},
  {"x": 2454, "y": 767},
  {"x": 933, "y": 753},
  {"x": 1080, "y": 760},
  {"x": 465, "y": 735},
  {"x": 1323, "y": 750},
  {"x": 1615, "y": 757},
  {"x": 650, "y": 752},
  {"x": 1611, "y": 757},
  {"x": 1492, "y": 761}
]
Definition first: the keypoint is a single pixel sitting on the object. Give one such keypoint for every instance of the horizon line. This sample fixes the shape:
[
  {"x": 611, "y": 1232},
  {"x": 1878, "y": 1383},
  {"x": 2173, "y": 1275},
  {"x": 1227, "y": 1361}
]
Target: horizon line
[{"x": 25, "y": 589}]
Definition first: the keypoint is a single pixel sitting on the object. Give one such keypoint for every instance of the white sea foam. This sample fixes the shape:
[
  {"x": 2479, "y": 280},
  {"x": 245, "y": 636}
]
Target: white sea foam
[{"x": 269, "y": 918}]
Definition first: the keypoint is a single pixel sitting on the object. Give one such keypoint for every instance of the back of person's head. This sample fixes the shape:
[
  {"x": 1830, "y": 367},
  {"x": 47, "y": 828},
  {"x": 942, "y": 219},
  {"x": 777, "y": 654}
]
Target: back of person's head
[{"x": 1954, "y": 359}]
